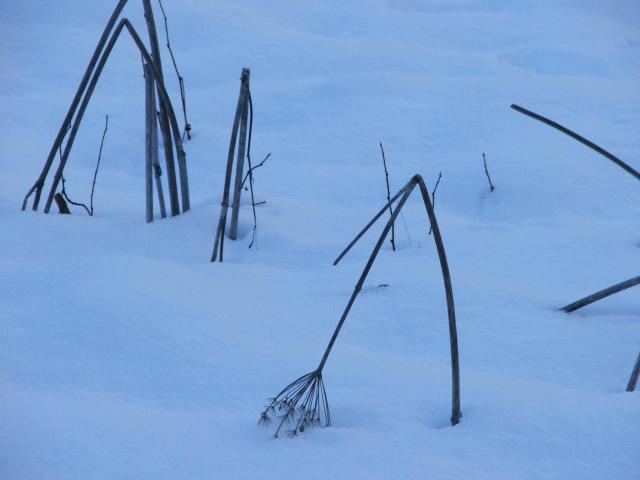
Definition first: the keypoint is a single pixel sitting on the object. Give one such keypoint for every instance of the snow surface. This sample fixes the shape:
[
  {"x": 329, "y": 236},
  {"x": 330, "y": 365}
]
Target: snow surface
[{"x": 125, "y": 354}]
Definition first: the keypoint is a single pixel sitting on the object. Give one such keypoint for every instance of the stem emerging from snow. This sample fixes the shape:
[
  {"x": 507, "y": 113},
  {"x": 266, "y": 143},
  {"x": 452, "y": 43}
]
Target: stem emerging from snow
[{"x": 486, "y": 171}]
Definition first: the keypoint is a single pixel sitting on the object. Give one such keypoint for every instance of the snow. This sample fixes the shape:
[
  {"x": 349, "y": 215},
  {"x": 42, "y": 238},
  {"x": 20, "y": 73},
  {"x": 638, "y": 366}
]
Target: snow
[{"x": 126, "y": 354}]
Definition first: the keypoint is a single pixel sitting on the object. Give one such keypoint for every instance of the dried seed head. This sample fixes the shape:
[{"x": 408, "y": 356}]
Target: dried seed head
[{"x": 264, "y": 419}]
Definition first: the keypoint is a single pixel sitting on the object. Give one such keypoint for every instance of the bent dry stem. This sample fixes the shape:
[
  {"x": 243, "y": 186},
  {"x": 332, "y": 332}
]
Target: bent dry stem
[
  {"x": 303, "y": 402},
  {"x": 66, "y": 123},
  {"x": 594, "y": 297},
  {"x": 627, "y": 168}
]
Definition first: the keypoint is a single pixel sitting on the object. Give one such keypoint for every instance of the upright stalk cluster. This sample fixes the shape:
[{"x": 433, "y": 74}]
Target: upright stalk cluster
[{"x": 167, "y": 119}]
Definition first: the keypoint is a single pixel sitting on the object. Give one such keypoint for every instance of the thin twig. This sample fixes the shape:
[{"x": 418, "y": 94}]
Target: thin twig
[
  {"x": 95, "y": 174},
  {"x": 250, "y": 172},
  {"x": 433, "y": 197},
  {"x": 66, "y": 197},
  {"x": 187, "y": 125},
  {"x": 60, "y": 197},
  {"x": 386, "y": 176},
  {"x": 487, "y": 172},
  {"x": 255, "y": 168}
]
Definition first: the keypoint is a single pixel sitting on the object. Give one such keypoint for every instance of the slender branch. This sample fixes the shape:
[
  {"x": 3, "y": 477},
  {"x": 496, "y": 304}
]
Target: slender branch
[
  {"x": 95, "y": 174},
  {"x": 579, "y": 138},
  {"x": 187, "y": 125},
  {"x": 486, "y": 171},
  {"x": 250, "y": 172},
  {"x": 433, "y": 198},
  {"x": 618, "y": 287},
  {"x": 255, "y": 167},
  {"x": 64, "y": 195},
  {"x": 386, "y": 176}
]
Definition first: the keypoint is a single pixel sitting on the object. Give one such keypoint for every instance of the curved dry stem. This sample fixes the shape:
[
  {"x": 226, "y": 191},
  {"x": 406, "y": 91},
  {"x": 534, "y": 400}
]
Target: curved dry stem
[
  {"x": 39, "y": 184},
  {"x": 456, "y": 413},
  {"x": 594, "y": 297},
  {"x": 579, "y": 138},
  {"x": 250, "y": 174},
  {"x": 286, "y": 402}
]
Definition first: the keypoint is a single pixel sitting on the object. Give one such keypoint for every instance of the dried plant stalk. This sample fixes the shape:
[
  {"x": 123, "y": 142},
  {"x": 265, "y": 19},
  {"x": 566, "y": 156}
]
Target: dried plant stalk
[
  {"x": 242, "y": 144},
  {"x": 218, "y": 244},
  {"x": 291, "y": 405},
  {"x": 163, "y": 97},
  {"x": 39, "y": 184},
  {"x": 579, "y": 138},
  {"x": 149, "y": 116},
  {"x": 155, "y": 156},
  {"x": 633, "y": 379},
  {"x": 83, "y": 95},
  {"x": 594, "y": 297},
  {"x": 166, "y": 123},
  {"x": 486, "y": 172}
]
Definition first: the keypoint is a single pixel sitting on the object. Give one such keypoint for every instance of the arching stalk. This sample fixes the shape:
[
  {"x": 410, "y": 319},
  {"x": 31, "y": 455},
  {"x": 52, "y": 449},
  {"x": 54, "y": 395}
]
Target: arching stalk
[
  {"x": 580, "y": 138},
  {"x": 39, "y": 184},
  {"x": 299, "y": 403}
]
